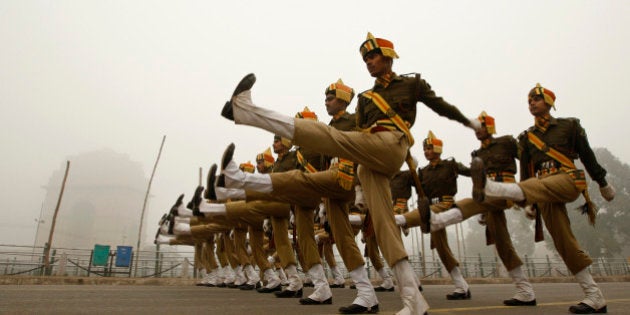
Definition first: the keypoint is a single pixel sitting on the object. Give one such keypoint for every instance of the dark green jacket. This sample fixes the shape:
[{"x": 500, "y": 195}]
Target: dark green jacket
[
  {"x": 402, "y": 95},
  {"x": 565, "y": 135}
]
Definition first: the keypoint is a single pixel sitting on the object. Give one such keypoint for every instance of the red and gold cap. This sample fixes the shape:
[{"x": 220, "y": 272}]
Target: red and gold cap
[
  {"x": 384, "y": 46},
  {"x": 488, "y": 122},
  {"x": 266, "y": 157},
  {"x": 548, "y": 95},
  {"x": 306, "y": 114},
  {"x": 341, "y": 91},
  {"x": 286, "y": 142},
  {"x": 435, "y": 142},
  {"x": 247, "y": 167}
]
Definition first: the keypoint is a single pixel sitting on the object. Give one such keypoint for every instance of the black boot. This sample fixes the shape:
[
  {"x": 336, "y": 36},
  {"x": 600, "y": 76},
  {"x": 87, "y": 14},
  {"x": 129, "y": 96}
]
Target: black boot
[
  {"x": 586, "y": 309},
  {"x": 289, "y": 294},
  {"x": 459, "y": 296},
  {"x": 358, "y": 309},
  {"x": 245, "y": 84},
  {"x": 515, "y": 302},
  {"x": 228, "y": 154},
  {"x": 309, "y": 301},
  {"x": 210, "y": 194}
]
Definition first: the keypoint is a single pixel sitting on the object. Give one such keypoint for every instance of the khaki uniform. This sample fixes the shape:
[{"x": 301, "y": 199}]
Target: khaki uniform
[
  {"x": 439, "y": 183},
  {"x": 554, "y": 187},
  {"x": 379, "y": 154},
  {"x": 307, "y": 189}
]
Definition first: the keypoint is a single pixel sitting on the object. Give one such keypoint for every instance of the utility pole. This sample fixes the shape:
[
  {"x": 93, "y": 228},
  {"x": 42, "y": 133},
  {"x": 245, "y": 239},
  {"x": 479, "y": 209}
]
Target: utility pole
[
  {"x": 54, "y": 221},
  {"x": 144, "y": 206}
]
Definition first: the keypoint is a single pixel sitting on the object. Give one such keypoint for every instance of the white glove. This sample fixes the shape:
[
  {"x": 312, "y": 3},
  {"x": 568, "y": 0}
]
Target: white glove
[
  {"x": 400, "y": 220},
  {"x": 322, "y": 213},
  {"x": 292, "y": 219},
  {"x": 608, "y": 192},
  {"x": 359, "y": 201},
  {"x": 355, "y": 219},
  {"x": 317, "y": 239},
  {"x": 474, "y": 123},
  {"x": 271, "y": 260},
  {"x": 267, "y": 225},
  {"x": 530, "y": 212},
  {"x": 482, "y": 219}
]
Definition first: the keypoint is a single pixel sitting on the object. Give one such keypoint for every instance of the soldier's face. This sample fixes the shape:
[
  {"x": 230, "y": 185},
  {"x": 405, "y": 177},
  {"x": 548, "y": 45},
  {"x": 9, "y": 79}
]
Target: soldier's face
[
  {"x": 334, "y": 105},
  {"x": 429, "y": 154},
  {"x": 377, "y": 64},
  {"x": 278, "y": 147},
  {"x": 260, "y": 166},
  {"x": 482, "y": 133},
  {"x": 537, "y": 106}
]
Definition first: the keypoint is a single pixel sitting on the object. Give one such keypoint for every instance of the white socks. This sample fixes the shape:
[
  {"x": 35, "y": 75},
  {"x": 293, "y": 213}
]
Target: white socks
[
  {"x": 212, "y": 209},
  {"x": 246, "y": 113},
  {"x": 338, "y": 277},
  {"x": 443, "y": 219},
  {"x": 181, "y": 229},
  {"x": 413, "y": 301},
  {"x": 509, "y": 191},
  {"x": 322, "y": 289},
  {"x": 366, "y": 296},
  {"x": 294, "y": 279},
  {"x": 235, "y": 178},
  {"x": 355, "y": 219},
  {"x": 229, "y": 193},
  {"x": 387, "y": 279},
  {"x": 524, "y": 289},
  {"x": 400, "y": 219},
  {"x": 272, "y": 279},
  {"x": 593, "y": 297},
  {"x": 461, "y": 286}
]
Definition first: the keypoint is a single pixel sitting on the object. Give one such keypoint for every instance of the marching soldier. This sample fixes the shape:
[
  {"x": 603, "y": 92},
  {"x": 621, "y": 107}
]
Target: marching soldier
[
  {"x": 439, "y": 182},
  {"x": 335, "y": 185},
  {"x": 550, "y": 179},
  {"x": 386, "y": 112}
]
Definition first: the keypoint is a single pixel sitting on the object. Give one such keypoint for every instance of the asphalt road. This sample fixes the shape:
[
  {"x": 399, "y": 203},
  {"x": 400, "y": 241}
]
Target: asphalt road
[{"x": 553, "y": 298}]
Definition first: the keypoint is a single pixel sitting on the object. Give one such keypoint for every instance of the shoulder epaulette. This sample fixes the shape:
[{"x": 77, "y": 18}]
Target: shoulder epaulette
[
  {"x": 365, "y": 92},
  {"x": 524, "y": 133}
]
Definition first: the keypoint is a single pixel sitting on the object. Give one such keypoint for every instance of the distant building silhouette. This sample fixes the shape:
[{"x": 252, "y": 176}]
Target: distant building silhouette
[{"x": 101, "y": 204}]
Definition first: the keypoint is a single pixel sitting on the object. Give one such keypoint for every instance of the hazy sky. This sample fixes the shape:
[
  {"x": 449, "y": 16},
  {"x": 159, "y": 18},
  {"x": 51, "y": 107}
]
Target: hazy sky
[{"x": 79, "y": 76}]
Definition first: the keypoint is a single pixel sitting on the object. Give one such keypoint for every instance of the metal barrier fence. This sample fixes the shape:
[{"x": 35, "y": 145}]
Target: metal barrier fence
[{"x": 28, "y": 260}]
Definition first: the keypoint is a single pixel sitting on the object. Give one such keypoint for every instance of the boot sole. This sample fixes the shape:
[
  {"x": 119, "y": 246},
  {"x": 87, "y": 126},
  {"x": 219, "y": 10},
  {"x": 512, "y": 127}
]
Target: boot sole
[
  {"x": 210, "y": 194},
  {"x": 478, "y": 175},
  {"x": 228, "y": 154}
]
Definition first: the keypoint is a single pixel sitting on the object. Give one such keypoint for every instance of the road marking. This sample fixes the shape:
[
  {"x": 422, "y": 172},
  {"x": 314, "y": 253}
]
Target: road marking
[{"x": 480, "y": 308}]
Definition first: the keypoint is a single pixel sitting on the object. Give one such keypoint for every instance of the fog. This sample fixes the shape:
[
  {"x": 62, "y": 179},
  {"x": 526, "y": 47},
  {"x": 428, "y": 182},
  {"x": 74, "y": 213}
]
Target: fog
[{"x": 83, "y": 76}]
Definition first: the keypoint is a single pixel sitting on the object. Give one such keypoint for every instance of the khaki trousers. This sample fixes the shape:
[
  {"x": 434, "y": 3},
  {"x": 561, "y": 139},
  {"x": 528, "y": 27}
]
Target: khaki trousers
[
  {"x": 439, "y": 239},
  {"x": 327, "y": 249},
  {"x": 307, "y": 190},
  {"x": 551, "y": 193},
  {"x": 496, "y": 225},
  {"x": 207, "y": 256},
  {"x": 373, "y": 252},
  {"x": 379, "y": 155},
  {"x": 253, "y": 211},
  {"x": 220, "y": 250}
]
